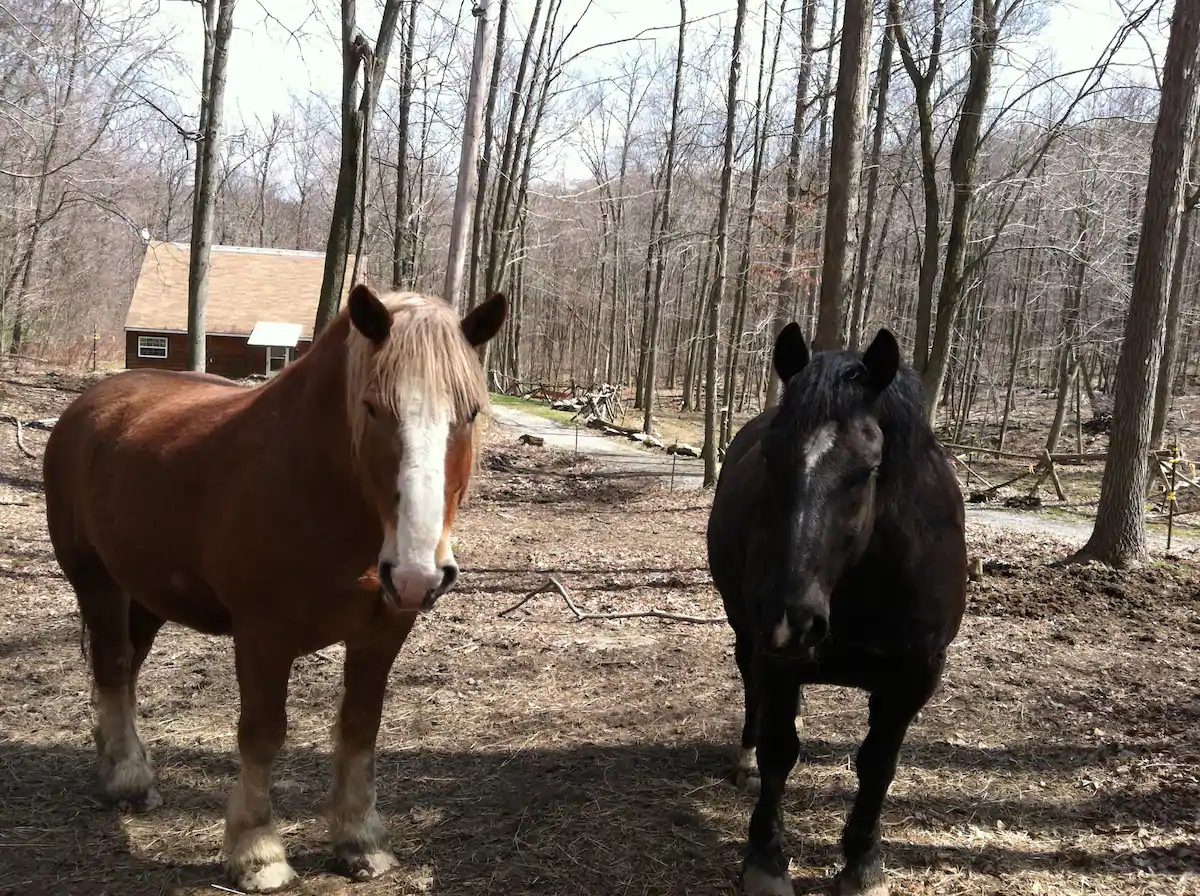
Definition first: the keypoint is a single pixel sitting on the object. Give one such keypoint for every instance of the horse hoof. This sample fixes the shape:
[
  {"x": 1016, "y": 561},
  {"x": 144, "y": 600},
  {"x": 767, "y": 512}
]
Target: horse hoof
[
  {"x": 361, "y": 866},
  {"x": 747, "y": 780},
  {"x": 146, "y": 801},
  {"x": 129, "y": 783},
  {"x": 848, "y": 884},
  {"x": 760, "y": 882},
  {"x": 266, "y": 879}
]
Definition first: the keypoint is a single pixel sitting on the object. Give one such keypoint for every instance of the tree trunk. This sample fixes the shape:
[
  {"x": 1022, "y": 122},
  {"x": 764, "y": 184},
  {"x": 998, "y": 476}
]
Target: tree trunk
[
  {"x": 464, "y": 196},
  {"x": 664, "y": 228},
  {"x": 691, "y": 371},
  {"x": 1068, "y": 364},
  {"x": 762, "y": 116},
  {"x": 791, "y": 230},
  {"x": 722, "y": 252},
  {"x": 507, "y": 172},
  {"x": 1119, "y": 536},
  {"x": 1166, "y": 368},
  {"x": 485, "y": 160},
  {"x": 845, "y": 172},
  {"x": 402, "y": 272},
  {"x": 964, "y": 154},
  {"x": 218, "y": 28},
  {"x": 356, "y": 119},
  {"x": 647, "y": 289},
  {"x": 858, "y": 309},
  {"x": 1019, "y": 314},
  {"x": 931, "y": 238}
]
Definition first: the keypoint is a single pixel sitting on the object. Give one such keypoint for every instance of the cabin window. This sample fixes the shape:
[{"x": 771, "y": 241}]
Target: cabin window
[
  {"x": 277, "y": 357},
  {"x": 152, "y": 346}
]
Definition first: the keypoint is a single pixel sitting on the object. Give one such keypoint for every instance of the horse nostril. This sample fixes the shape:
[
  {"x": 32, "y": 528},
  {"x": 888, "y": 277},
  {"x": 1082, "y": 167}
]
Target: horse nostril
[
  {"x": 449, "y": 577},
  {"x": 818, "y": 628},
  {"x": 385, "y": 578}
]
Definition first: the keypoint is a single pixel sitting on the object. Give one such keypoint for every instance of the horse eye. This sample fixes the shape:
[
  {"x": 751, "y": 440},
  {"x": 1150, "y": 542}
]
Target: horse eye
[
  {"x": 474, "y": 414},
  {"x": 862, "y": 477},
  {"x": 370, "y": 408}
]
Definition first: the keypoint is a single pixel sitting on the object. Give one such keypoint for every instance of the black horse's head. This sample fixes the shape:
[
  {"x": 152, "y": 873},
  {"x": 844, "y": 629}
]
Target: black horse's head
[{"x": 822, "y": 453}]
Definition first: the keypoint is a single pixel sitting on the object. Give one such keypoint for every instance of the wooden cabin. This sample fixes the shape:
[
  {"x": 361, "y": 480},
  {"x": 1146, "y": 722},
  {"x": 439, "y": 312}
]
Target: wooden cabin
[{"x": 259, "y": 315}]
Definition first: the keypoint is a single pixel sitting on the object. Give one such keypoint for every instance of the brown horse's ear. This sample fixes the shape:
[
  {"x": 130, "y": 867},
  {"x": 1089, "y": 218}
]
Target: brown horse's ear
[
  {"x": 368, "y": 314},
  {"x": 485, "y": 320}
]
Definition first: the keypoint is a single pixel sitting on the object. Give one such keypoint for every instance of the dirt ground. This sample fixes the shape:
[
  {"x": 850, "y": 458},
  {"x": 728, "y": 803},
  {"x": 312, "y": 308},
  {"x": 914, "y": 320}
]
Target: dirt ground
[{"x": 533, "y": 754}]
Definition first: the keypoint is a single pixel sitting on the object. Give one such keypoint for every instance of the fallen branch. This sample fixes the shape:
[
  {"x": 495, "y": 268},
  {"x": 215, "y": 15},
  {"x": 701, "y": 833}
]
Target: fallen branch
[
  {"x": 21, "y": 442},
  {"x": 46, "y": 424},
  {"x": 553, "y": 584}
]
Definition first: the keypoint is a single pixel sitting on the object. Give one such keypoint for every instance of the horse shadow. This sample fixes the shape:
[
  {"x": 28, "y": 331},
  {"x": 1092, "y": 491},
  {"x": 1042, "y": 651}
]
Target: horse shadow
[{"x": 583, "y": 818}]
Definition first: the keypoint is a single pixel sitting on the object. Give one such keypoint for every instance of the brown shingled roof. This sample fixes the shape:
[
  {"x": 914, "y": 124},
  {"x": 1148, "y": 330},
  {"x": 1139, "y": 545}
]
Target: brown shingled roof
[{"x": 245, "y": 286}]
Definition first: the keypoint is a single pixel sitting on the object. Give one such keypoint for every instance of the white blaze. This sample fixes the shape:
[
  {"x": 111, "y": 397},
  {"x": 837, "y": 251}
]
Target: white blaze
[
  {"x": 782, "y": 633},
  {"x": 420, "y": 513},
  {"x": 818, "y": 445}
]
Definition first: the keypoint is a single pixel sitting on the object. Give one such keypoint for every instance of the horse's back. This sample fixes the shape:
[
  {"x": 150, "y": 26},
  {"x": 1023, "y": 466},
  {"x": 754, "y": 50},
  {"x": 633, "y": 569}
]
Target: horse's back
[
  {"x": 122, "y": 409},
  {"x": 104, "y": 463}
]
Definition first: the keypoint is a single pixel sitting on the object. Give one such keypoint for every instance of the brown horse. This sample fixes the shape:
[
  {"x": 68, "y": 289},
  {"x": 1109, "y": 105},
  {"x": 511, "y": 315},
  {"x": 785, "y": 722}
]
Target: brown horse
[{"x": 314, "y": 509}]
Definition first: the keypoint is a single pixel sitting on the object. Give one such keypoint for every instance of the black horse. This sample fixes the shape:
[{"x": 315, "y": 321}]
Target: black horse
[{"x": 837, "y": 542}]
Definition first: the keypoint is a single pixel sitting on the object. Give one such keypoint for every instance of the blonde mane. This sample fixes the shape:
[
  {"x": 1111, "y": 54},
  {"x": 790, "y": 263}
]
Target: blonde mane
[{"x": 425, "y": 366}]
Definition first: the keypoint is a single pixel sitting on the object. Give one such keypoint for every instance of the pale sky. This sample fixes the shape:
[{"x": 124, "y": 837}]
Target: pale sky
[{"x": 268, "y": 67}]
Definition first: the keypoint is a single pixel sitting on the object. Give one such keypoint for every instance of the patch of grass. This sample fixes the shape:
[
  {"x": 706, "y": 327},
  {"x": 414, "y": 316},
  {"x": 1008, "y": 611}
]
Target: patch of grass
[{"x": 529, "y": 406}]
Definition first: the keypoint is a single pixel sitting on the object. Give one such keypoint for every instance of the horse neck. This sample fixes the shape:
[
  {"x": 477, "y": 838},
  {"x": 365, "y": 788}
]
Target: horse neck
[{"x": 309, "y": 399}]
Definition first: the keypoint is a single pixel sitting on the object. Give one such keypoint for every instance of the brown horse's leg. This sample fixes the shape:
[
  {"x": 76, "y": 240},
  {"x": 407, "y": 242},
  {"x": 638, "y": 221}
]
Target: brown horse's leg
[
  {"x": 118, "y": 644},
  {"x": 255, "y": 858},
  {"x": 143, "y": 628},
  {"x": 355, "y": 828}
]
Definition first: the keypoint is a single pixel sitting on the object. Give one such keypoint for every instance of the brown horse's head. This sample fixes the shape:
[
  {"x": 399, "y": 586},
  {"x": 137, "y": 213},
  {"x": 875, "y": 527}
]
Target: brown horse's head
[{"x": 414, "y": 386}]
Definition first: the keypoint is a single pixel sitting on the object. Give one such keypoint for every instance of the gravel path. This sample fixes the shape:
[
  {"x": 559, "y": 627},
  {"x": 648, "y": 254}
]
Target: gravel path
[{"x": 620, "y": 457}]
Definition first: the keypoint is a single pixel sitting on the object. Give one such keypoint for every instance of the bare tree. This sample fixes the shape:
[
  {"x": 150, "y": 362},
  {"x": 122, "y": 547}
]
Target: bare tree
[
  {"x": 1119, "y": 536},
  {"x": 356, "y": 123},
  {"x": 883, "y": 82},
  {"x": 845, "y": 167},
  {"x": 400, "y": 268},
  {"x": 791, "y": 227},
  {"x": 464, "y": 197},
  {"x": 664, "y": 227},
  {"x": 722, "y": 251},
  {"x": 218, "y": 28},
  {"x": 1170, "y": 354}
]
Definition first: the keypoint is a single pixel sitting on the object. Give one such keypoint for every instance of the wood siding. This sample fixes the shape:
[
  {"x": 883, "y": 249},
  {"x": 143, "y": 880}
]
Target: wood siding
[{"x": 228, "y": 356}]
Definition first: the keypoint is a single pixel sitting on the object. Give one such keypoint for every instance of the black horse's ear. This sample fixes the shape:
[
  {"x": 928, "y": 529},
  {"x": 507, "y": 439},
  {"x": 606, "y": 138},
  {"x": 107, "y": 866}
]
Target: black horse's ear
[
  {"x": 882, "y": 360},
  {"x": 791, "y": 353},
  {"x": 485, "y": 320},
  {"x": 368, "y": 314}
]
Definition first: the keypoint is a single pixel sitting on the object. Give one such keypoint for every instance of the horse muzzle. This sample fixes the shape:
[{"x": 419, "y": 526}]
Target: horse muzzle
[
  {"x": 795, "y": 631},
  {"x": 411, "y": 591}
]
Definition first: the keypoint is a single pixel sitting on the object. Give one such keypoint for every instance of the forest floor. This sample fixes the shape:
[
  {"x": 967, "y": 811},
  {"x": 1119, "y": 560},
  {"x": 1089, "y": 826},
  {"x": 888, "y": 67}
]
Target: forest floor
[{"x": 534, "y": 754}]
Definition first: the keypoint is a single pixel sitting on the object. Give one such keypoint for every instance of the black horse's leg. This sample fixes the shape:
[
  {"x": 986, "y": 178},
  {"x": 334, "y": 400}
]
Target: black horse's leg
[
  {"x": 765, "y": 869},
  {"x": 746, "y": 772},
  {"x": 891, "y": 712}
]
